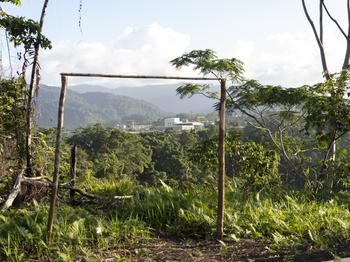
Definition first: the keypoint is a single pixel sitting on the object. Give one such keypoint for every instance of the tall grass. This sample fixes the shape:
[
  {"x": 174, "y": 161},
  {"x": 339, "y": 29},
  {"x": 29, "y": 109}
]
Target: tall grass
[
  {"x": 77, "y": 232},
  {"x": 287, "y": 223},
  {"x": 292, "y": 224}
]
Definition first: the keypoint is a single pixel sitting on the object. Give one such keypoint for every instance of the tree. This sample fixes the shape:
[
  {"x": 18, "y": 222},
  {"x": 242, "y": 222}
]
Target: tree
[
  {"x": 320, "y": 110},
  {"x": 114, "y": 153},
  {"x": 12, "y": 115},
  {"x": 33, "y": 87},
  {"x": 25, "y": 33},
  {"x": 323, "y": 117},
  {"x": 207, "y": 63},
  {"x": 22, "y": 33},
  {"x": 336, "y": 89},
  {"x": 250, "y": 164},
  {"x": 171, "y": 157}
]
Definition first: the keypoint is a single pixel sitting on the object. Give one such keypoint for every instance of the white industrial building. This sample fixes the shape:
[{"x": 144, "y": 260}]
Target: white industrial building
[
  {"x": 176, "y": 124},
  {"x": 171, "y": 122}
]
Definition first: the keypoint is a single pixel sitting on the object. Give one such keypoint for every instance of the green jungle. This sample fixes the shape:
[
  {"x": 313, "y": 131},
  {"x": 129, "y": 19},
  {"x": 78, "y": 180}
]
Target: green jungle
[{"x": 153, "y": 196}]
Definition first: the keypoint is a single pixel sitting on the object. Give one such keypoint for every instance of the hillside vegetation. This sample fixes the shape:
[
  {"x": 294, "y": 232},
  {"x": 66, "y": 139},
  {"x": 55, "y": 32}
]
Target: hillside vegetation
[
  {"x": 270, "y": 182},
  {"x": 93, "y": 107},
  {"x": 171, "y": 177}
]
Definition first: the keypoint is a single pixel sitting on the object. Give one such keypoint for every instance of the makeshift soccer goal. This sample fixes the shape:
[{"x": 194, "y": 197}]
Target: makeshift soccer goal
[{"x": 221, "y": 147}]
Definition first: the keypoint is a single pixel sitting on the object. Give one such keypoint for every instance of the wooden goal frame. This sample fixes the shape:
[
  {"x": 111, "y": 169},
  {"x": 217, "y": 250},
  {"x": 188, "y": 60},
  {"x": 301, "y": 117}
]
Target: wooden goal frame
[{"x": 221, "y": 147}]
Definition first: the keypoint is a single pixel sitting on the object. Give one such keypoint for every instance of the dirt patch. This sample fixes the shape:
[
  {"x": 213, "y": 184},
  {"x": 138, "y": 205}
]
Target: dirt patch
[
  {"x": 165, "y": 249},
  {"x": 204, "y": 250}
]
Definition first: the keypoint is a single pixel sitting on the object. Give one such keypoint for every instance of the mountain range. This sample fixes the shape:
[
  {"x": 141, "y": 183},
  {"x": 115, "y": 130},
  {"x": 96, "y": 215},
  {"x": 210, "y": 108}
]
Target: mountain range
[
  {"x": 163, "y": 96},
  {"x": 82, "y": 109},
  {"x": 89, "y": 104}
]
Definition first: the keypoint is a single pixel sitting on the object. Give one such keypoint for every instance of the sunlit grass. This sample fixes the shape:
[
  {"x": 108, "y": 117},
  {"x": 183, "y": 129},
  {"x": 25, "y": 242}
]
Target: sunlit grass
[{"x": 289, "y": 223}]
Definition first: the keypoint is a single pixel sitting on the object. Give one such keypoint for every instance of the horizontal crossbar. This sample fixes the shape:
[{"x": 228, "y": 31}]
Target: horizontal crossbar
[{"x": 141, "y": 76}]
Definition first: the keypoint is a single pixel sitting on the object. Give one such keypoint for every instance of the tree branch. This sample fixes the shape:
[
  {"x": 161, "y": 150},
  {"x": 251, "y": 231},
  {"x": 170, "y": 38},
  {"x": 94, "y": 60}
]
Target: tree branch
[
  {"x": 45, "y": 181},
  {"x": 321, "y": 20},
  {"x": 329, "y": 148},
  {"x": 347, "y": 53},
  {"x": 334, "y": 20},
  {"x": 14, "y": 192},
  {"x": 319, "y": 42},
  {"x": 242, "y": 110},
  {"x": 282, "y": 144}
]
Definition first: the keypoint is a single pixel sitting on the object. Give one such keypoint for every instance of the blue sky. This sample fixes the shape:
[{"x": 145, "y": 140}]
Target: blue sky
[{"x": 272, "y": 37}]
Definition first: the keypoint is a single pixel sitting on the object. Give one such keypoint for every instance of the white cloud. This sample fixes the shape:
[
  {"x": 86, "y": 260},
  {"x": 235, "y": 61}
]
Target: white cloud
[
  {"x": 145, "y": 50},
  {"x": 289, "y": 59}
]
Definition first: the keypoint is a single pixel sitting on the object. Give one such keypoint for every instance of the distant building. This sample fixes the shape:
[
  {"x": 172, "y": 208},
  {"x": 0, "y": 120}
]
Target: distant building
[
  {"x": 171, "y": 122},
  {"x": 141, "y": 127},
  {"x": 175, "y": 124}
]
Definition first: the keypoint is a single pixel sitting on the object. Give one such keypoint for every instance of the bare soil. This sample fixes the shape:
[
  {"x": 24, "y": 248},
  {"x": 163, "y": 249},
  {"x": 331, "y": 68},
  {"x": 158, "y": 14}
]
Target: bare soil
[{"x": 161, "y": 249}]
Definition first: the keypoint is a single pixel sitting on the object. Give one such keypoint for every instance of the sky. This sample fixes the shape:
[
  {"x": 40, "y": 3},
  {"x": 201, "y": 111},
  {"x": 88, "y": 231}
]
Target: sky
[{"x": 272, "y": 37}]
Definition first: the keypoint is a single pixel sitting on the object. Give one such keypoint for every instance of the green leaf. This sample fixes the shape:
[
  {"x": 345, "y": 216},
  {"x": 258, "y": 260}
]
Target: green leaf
[{"x": 15, "y": 2}]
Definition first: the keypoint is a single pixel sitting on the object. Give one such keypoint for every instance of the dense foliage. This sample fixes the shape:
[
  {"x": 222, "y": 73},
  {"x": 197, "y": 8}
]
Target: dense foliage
[{"x": 282, "y": 188}]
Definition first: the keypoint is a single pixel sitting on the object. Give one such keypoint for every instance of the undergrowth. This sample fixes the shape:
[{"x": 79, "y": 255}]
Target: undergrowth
[
  {"x": 77, "y": 233},
  {"x": 289, "y": 223}
]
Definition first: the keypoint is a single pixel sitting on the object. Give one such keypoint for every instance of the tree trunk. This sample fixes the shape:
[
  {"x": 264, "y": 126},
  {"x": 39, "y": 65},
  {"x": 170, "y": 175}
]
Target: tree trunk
[{"x": 34, "y": 82}]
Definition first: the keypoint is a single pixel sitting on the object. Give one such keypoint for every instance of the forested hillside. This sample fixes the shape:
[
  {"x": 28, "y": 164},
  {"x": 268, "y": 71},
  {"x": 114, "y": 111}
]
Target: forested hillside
[{"x": 93, "y": 107}]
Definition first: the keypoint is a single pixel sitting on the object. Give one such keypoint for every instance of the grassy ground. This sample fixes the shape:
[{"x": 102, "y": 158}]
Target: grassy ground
[{"x": 163, "y": 223}]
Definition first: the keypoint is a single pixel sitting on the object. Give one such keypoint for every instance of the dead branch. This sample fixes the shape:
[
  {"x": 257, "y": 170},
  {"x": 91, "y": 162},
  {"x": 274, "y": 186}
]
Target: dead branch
[
  {"x": 94, "y": 196},
  {"x": 14, "y": 192},
  {"x": 47, "y": 182}
]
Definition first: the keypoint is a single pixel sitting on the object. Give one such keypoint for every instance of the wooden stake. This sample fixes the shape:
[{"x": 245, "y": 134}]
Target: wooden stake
[
  {"x": 221, "y": 156},
  {"x": 57, "y": 156},
  {"x": 73, "y": 167}
]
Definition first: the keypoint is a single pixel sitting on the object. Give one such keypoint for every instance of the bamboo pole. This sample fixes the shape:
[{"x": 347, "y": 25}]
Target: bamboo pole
[
  {"x": 221, "y": 156},
  {"x": 57, "y": 156}
]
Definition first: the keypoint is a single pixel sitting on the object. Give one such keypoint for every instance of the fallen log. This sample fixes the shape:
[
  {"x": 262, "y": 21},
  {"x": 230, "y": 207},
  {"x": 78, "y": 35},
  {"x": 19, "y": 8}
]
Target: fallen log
[
  {"x": 45, "y": 181},
  {"x": 92, "y": 196},
  {"x": 14, "y": 192}
]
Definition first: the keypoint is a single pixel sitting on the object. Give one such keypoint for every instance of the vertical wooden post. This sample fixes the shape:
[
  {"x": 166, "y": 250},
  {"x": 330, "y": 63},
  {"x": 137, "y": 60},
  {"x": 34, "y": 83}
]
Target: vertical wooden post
[
  {"x": 57, "y": 156},
  {"x": 221, "y": 156},
  {"x": 73, "y": 167}
]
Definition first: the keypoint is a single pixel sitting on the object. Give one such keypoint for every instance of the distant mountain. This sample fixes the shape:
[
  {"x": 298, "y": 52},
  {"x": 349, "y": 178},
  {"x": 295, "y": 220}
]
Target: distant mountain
[
  {"x": 163, "y": 96},
  {"x": 82, "y": 109}
]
